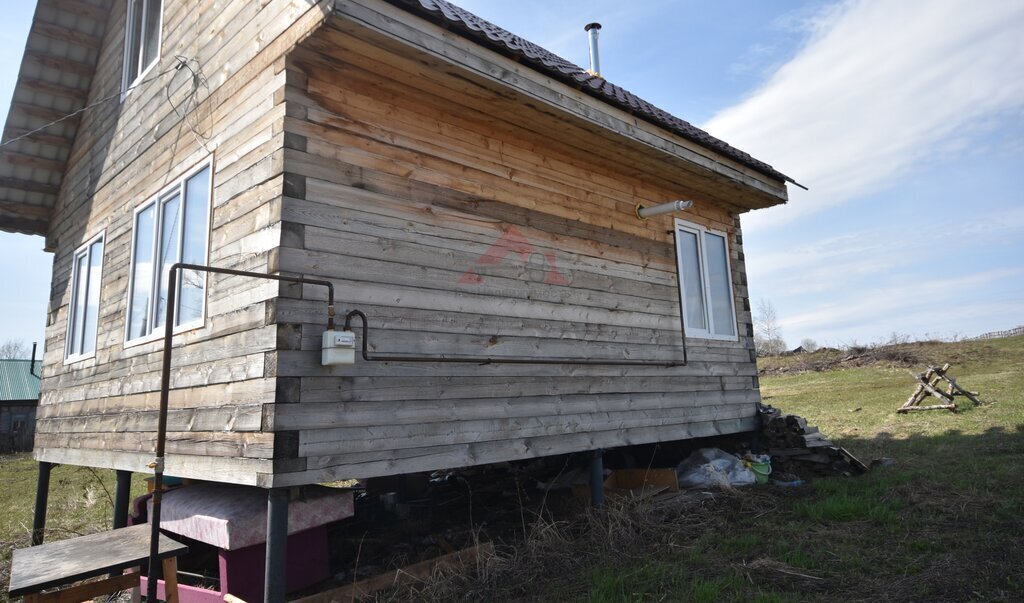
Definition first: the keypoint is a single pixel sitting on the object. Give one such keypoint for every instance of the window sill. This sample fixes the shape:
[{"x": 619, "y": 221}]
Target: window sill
[
  {"x": 711, "y": 337},
  {"x": 79, "y": 358},
  {"x": 158, "y": 335}
]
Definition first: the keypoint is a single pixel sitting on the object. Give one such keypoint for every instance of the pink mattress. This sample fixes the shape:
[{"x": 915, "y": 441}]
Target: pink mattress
[{"x": 233, "y": 517}]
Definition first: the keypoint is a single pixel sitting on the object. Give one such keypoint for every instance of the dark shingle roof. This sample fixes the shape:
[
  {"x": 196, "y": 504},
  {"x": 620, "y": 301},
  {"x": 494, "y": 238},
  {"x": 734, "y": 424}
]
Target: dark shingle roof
[
  {"x": 487, "y": 34},
  {"x": 16, "y": 382}
]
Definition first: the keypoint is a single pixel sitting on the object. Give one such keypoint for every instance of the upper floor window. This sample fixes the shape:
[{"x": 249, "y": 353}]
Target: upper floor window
[
  {"x": 705, "y": 282},
  {"x": 142, "y": 39},
  {"x": 170, "y": 228},
  {"x": 84, "y": 310}
]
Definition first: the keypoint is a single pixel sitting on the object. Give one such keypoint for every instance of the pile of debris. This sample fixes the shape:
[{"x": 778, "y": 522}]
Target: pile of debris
[{"x": 798, "y": 448}]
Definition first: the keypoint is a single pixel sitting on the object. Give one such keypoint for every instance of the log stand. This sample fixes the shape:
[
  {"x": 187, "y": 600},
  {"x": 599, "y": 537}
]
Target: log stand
[{"x": 929, "y": 385}]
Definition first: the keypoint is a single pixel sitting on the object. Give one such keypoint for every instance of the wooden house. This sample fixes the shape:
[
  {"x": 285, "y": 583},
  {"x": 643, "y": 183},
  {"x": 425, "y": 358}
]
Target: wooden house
[{"x": 473, "y": 194}]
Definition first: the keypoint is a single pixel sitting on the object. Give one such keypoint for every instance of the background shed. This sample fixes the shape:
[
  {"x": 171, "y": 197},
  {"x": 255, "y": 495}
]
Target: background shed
[{"x": 19, "y": 396}]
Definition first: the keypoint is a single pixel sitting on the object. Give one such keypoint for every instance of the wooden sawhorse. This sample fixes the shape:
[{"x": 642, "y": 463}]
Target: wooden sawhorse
[{"x": 57, "y": 564}]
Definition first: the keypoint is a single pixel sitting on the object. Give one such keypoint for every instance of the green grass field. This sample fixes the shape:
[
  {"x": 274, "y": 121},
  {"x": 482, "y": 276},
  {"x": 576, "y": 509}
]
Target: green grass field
[{"x": 946, "y": 523}]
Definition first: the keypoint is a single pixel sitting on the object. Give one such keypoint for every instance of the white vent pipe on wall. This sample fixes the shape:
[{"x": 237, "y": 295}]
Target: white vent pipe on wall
[{"x": 646, "y": 212}]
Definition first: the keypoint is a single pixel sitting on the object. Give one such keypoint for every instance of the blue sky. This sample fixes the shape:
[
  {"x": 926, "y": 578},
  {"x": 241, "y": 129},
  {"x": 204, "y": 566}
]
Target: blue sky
[
  {"x": 905, "y": 119},
  {"x": 25, "y": 267}
]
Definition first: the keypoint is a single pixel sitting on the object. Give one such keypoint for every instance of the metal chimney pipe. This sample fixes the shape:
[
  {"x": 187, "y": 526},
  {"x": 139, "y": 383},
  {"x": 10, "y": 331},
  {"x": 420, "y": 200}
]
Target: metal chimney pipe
[
  {"x": 32, "y": 363},
  {"x": 593, "y": 29}
]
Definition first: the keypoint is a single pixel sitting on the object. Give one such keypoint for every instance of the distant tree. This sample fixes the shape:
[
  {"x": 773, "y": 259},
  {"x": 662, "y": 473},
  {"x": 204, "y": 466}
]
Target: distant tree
[
  {"x": 808, "y": 344},
  {"x": 767, "y": 334},
  {"x": 13, "y": 349},
  {"x": 897, "y": 338}
]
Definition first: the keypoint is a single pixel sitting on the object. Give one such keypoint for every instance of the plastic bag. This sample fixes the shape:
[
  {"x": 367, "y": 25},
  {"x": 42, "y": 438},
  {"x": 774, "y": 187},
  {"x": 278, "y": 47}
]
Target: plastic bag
[{"x": 713, "y": 467}]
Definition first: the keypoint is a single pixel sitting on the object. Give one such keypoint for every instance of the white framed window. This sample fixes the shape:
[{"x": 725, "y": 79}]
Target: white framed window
[
  {"x": 172, "y": 227},
  {"x": 84, "y": 309},
  {"x": 141, "y": 39},
  {"x": 705, "y": 282}
]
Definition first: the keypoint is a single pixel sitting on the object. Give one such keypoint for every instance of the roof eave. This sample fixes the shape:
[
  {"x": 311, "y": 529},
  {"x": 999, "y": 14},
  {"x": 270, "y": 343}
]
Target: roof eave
[{"x": 56, "y": 74}]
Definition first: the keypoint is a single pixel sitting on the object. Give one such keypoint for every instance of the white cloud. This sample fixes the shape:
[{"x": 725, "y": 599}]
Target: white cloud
[
  {"x": 879, "y": 88},
  {"x": 754, "y": 58},
  {"x": 934, "y": 275},
  {"x": 915, "y": 307},
  {"x": 832, "y": 264}
]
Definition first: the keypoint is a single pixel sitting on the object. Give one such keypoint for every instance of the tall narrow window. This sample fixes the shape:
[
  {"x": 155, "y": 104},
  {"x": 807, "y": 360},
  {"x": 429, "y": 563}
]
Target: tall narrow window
[
  {"x": 84, "y": 310},
  {"x": 705, "y": 282},
  {"x": 169, "y": 229},
  {"x": 142, "y": 38}
]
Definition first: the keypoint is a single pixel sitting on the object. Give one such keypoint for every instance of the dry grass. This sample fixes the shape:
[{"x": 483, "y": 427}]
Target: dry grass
[
  {"x": 901, "y": 354},
  {"x": 556, "y": 554}
]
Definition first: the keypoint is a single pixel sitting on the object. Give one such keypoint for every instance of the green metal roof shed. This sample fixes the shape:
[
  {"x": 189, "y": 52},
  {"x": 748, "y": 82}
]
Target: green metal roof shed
[{"x": 17, "y": 381}]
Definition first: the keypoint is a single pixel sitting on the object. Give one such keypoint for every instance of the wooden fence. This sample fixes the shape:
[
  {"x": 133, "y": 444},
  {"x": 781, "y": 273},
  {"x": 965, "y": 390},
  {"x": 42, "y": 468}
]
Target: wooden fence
[{"x": 1000, "y": 334}]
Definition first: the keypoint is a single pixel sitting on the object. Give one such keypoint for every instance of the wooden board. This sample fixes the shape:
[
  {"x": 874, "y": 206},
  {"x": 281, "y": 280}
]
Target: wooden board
[
  {"x": 65, "y": 561},
  {"x": 416, "y": 572},
  {"x": 230, "y": 470}
]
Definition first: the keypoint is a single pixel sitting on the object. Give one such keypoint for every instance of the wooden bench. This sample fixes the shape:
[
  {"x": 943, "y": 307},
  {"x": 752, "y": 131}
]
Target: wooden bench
[{"x": 58, "y": 564}]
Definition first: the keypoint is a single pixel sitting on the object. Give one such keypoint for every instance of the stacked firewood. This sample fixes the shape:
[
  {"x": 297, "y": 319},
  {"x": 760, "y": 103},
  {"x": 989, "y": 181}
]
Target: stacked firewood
[{"x": 799, "y": 448}]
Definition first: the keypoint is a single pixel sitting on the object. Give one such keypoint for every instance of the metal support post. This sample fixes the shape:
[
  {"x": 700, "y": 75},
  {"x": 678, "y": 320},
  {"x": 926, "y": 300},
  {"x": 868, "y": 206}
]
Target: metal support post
[
  {"x": 597, "y": 479},
  {"x": 42, "y": 494},
  {"x": 277, "y": 545},
  {"x": 122, "y": 494}
]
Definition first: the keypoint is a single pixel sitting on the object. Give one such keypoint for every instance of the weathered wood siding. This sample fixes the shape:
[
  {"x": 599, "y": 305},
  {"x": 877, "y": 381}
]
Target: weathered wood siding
[
  {"x": 463, "y": 216},
  {"x": 102, "y": 411},
  {"x": 404, "y": 180}
]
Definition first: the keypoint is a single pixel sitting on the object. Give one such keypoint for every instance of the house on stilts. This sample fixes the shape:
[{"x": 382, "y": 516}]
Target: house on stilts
[{"x": 494, "y": 213}]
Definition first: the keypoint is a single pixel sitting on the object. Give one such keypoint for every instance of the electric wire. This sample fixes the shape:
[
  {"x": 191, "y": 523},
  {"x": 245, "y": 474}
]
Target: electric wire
[
  {"x": 198, "y": 80},
  {"x": 101, "y": 101}
]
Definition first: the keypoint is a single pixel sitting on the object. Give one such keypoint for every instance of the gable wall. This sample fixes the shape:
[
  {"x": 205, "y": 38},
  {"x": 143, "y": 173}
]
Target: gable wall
[{"x": 102, "y": 411}]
